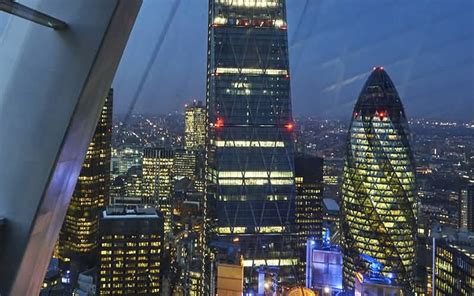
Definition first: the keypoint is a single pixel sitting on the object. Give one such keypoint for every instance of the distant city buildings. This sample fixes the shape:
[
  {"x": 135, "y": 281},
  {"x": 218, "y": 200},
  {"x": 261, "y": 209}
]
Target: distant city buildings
[
  {"x": 125, "y": 157},
  {"x": 185, "y": 162},
  {"x": 133, "y": 183},
  {"x": 195, "y": 126},
  {"x": 130, "y": 251},
  {"x": 466, "y": 208},
  {"x": 185, "y": 267},
  {"x": 78, "y": 236},
  {"x": 188, "y": 247},
  {"x": 378, "y": 191}
]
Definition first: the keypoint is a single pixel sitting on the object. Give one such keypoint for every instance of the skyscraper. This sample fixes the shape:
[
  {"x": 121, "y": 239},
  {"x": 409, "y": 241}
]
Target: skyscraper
[
  {"x": 466, "y": 208},
  {"x": 309, "y": 199},
  {"x": 184, "y": 165},
  {"x": 188, "y": 229},
  {"x": 133, "y": 183},
  {"x": 158, "y": 180},
  {"x": 250, "y": 126},
  {"x": 195, "y": 126},
  {"x": 78, "y": 236},
  {"x": 454, "y": 266},
  {"x": 130, "y": 251},
  {"x": 378, "y": 203}
]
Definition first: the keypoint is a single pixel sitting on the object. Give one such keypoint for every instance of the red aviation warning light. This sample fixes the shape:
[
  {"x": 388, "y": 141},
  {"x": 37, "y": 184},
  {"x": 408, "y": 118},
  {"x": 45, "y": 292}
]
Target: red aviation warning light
[
  {"x": 290, "y": 126},
  {"x": 381, "y": 114},
  {"x": 219, "y": 123}
]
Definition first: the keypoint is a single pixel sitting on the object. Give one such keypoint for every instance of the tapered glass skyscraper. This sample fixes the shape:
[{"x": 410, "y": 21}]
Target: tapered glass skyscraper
[
  {"x": 378, "y": 207},
  {"x": 78, "y": 236},
  {"x": 250, "y": 128}
]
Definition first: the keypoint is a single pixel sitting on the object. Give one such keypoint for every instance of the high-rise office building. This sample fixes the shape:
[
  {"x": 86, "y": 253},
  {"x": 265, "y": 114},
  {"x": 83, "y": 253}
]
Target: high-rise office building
[
  {"x": 454, "y": 268},
  {"x": 124, "y": 157},
  {"x": 378, "y": 203},
  {"x": 130, "y": 251},
  {"x": 134, "y": 183},
  {"x": 184, "y": 165},
  {"x": 78, "y": 236},
  {"x": 309, "y": 196},
  {"x": 250, "y": 128},
  {"x": 188, "y": 229},
  {"x": 466, "y": 208},
  {"x": 158, "y": 180},
  {"x": 195, "y": 126}
]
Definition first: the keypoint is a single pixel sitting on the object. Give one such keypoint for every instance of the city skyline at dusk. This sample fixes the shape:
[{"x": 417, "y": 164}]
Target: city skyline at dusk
[
  {"x": 427, "y": 46},
  {"x": 237, "y": 148}
]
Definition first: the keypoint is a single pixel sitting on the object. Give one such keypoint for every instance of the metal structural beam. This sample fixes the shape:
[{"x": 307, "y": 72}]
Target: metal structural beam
[
  {"x": 25, "y": 12},
  {"x": 53, "y": 86}
]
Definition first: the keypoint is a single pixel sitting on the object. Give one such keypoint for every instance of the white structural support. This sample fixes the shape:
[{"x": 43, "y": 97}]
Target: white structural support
[{"x": 52, "y": 88}]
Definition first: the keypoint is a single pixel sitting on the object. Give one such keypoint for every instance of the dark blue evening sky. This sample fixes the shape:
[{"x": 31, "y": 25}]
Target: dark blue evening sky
[{"x": 426, "y": 46}]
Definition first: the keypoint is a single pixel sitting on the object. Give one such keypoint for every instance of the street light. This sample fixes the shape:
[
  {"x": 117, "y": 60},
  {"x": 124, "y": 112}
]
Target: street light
[{"x": 326, "y": 291}]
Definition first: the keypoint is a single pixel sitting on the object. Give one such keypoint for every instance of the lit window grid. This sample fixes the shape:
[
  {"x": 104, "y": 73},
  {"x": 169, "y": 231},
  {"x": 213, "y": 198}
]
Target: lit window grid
[
  {"x": 378, "y": 175},
  {"x": 195, "y": 127},
  {"x": 454, "y": 270},
  {"x": 250, "y": 3},
  {"x": 308, "y": 213},
  {"x": 78, "y": 234},
  {"x": 130, "y": 265},
  {"x": 157, "y": 184}
]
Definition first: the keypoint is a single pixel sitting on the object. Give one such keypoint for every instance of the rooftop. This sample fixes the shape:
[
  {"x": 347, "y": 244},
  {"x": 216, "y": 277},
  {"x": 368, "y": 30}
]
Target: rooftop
[
  {"x": 330, "y": 205},
  {"x": 129, "y": 212}
]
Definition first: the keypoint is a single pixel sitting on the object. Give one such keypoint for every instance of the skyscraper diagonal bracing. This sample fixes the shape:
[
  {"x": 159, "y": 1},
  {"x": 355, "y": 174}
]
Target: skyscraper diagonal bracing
[
  {"x": 379, "y": 208},
  {"x": 250, "y": 126}
]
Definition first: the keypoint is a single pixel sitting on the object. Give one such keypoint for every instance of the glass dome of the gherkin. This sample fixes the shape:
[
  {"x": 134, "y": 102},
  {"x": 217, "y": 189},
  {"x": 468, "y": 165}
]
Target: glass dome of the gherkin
[{"x": 378, "y": 95}]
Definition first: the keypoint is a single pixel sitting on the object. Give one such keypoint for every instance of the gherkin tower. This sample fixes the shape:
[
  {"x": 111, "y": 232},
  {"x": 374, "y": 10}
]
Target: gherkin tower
[{"x": 378, "y": 190}]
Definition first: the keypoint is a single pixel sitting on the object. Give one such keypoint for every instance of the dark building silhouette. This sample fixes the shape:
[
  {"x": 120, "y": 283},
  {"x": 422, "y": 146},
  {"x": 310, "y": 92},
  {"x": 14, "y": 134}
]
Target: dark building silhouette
[
  {"x": 309, "y": 196},
  {"x": 378, "y": 190}
]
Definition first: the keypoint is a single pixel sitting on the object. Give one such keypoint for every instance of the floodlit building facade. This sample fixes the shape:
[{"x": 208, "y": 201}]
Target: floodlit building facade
[
  {"x": 378, "y": 203},
  {"x": 78, "y": 236},
  {"x": 158, "y": 180},
  {"x": 195, "y": 126},
  {"x": 250, "y": 126}
]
